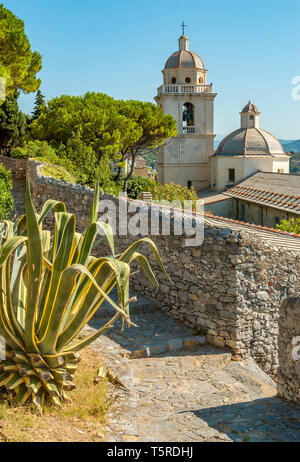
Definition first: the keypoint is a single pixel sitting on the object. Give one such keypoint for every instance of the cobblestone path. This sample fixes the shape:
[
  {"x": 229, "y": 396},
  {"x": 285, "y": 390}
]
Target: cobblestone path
[{"x": 199, "y": 394}]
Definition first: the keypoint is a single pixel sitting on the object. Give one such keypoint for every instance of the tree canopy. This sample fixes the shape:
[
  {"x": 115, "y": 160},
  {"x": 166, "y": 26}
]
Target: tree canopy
[
  {"x": 18, "y": 64},
  {"x": 152, "y": 127},
  {"x": 112, "y": 129}
]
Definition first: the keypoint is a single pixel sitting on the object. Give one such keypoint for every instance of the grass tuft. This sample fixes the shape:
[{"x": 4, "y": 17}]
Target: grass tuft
[{"x": 82, "y": 420}]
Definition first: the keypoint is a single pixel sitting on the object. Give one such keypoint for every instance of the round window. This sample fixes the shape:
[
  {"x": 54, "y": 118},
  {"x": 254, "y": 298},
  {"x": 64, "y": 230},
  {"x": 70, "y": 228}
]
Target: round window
[
  {"x": 174, "y": 80},
  {"x": 188, "y": 80}
]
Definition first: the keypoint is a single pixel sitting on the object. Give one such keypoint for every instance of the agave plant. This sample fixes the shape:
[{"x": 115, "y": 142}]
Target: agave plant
[{"x": 50, "y": 287}]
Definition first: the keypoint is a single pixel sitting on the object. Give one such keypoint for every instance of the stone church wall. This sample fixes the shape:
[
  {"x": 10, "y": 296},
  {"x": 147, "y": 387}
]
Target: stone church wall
[{"x": 231, "y": 287}]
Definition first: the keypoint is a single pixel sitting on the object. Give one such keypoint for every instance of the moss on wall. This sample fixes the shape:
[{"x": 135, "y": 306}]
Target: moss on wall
[{"x": 55, "y": 171}]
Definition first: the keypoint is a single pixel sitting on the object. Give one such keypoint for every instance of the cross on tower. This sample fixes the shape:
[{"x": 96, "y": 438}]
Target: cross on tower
[{"x": 183, "y": 26}]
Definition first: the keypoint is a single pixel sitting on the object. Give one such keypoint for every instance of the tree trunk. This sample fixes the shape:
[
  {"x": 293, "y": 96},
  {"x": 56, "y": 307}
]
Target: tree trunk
[{"x": 129, "y": 175}]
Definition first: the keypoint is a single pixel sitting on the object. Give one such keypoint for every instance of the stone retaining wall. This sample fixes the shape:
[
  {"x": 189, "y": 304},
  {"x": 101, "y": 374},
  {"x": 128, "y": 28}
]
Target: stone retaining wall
[
  {"x": 16, "y": 166},
  {"x": 288, "y": 383},
  {"x": 231, "y": 286}
]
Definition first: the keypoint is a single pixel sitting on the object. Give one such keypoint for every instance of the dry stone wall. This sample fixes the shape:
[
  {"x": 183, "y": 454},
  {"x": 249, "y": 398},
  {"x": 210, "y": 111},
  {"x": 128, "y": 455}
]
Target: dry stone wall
[
  {"x": 231, "y": 287},
  {"x": 288, "y": 383},
  {"x": 16, "y": 166}
]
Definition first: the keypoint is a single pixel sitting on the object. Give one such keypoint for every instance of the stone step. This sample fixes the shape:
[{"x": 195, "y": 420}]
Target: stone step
[
  {"x": 143, "y": 305},
  {"x": 170, "y": 346}
]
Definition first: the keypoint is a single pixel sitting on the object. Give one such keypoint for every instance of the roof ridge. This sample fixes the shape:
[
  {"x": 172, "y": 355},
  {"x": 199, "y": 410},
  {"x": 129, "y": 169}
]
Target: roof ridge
[
  {"x": 278, "y": 231},
  {"x": 245, "y": 141},
  {"x": 264, "y": 138},
  {"x": 277, "y": 139}
]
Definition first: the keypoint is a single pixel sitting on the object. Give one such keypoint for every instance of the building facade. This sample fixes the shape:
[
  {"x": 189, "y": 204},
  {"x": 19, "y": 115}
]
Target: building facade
[
  {"x": 266, "y": 198},
  {"x": 141, "y": 169},
  {"x": 185, "y": 95},
  {"x": 246, "y": 151}
]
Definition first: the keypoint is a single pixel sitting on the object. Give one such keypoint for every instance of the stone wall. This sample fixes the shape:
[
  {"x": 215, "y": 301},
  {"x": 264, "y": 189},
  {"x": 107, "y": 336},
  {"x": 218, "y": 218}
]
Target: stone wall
[
  {"x": 232, "y": 286},
  {"x": 288, "y": 383},
  {"x": 16, "y": 166}
]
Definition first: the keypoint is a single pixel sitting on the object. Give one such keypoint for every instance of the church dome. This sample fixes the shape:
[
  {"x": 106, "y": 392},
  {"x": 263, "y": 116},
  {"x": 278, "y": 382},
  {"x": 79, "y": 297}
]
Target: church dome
[
  {"x": 250, "y": 139},
  {"x": 250, "y": 142},
  {"x": 184, "y": 58}
]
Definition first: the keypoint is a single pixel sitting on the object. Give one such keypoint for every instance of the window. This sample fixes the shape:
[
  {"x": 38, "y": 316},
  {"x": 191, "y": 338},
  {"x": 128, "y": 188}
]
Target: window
[
  {"x": 231, "y": 175},
  {"x": 189, "y": 184},
  {"x": 276, "y": 221},
  {"x": 174, "y": 80},
  {"x": 251, "y": 117},
  {"x": 188, "y": 80},
  {"x": 200, "y": 79}
]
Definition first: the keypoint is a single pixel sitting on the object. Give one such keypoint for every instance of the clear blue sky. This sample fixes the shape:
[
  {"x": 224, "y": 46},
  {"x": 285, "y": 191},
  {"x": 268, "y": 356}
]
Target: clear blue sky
[{"x": 250, "y": 48}]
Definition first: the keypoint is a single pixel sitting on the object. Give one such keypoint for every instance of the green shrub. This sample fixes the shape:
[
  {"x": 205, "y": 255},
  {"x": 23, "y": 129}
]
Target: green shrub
[
  {"x": 60, "y": 168},
  {"x": 76, "y": 161},
  {"x": 291, "y": 226},
  {"x": 6, "y": 200},
  {"x": 35, "y": 149},
  {"x": 168, "y": 192},
  {"x": 137, "y": 185}
]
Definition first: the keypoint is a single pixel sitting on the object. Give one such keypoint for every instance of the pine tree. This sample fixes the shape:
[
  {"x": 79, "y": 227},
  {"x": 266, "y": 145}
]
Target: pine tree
[
  {"x": 12, "y": 125},
  {"x": 38, "y": 105}
]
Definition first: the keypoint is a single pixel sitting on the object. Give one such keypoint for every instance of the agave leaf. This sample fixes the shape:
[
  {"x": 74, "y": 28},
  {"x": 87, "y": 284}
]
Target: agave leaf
[
  {"x": 79, "y": 298},
  {"x": 76, "y": 247},
  {"x": 50, "y": 205},
  {"x": 13, "y": 321},
  {"x": 34, "y": 269},
  {"x": 9, "y": 247},
  {"x": 126, "y": 256},
  {"x": 144, "y": 263},
  {"x": 87, "y": 244},
  {"x": 105, "y": 275},
  {"x": 71, "y": 330},
  {"x": 108, "y": 232},
  {"x": 77, "y": 346},
  {"x": 7, "y": 229},
  {"x": 95, "y": 208},
  {"x": 61, "y": 262}
]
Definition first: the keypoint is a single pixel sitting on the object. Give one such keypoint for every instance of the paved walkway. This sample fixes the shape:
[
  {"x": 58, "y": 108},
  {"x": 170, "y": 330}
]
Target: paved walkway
[
  {"x": 18, "y": 192},
  {"x": 191, "y": 395}
]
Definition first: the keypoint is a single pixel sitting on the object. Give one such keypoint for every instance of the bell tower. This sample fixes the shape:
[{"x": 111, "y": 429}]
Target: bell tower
[{"x": 186, "y": 95}]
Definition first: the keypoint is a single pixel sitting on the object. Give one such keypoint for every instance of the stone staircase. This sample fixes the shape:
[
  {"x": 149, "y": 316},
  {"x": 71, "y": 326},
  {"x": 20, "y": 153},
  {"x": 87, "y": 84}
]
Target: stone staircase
[{"x": 195, "y": 392}]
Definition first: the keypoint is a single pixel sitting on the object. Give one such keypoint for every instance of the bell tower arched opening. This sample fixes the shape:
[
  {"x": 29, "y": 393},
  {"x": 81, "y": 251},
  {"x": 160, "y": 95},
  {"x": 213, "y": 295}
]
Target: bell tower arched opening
[{"x": 188, "y": 118}]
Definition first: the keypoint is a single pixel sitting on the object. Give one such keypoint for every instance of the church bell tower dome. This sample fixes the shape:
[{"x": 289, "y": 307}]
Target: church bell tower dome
[
  {"x": 184, "y": 66},
  {"x": 183, "y": 58}
]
